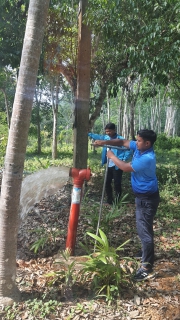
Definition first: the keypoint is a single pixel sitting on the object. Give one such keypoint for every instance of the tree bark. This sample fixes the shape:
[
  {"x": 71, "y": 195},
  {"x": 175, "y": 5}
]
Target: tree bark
[
  {"x": 55, "y": 101},
  {"x": 108, "y": 107},
  {"x": 16, "y": 148},
  {"x": 81, "y": 112},
  {"x": 99, "y": 102},
  {"x": 170, "y": 118},
  {"x": 125, "y": 130},
  {"x": 38, "y": 102}
]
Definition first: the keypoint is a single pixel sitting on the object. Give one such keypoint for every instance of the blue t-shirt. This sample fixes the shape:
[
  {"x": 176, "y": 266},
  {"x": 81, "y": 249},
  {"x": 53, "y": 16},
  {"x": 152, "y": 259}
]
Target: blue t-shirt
[
  {"x": 143, "y": 179},
  {"x": 123, "y": 153}
]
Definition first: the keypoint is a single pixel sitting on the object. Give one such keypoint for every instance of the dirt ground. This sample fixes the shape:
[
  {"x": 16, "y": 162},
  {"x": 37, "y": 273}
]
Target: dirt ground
[{"x": 156, "y": 299}]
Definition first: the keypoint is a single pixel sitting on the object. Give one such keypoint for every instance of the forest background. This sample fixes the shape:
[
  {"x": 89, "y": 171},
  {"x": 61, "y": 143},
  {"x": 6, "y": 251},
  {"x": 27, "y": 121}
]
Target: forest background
[{"x": 134, "y": 68}]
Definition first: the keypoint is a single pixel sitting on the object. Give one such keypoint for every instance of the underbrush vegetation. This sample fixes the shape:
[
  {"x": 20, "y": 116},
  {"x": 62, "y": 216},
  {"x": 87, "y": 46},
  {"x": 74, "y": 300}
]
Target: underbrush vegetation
[
  {"x": 168, "y": 168},
  {"x": 105, "y": 270}
]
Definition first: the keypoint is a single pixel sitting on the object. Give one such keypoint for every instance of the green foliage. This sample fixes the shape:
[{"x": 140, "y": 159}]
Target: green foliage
[
  {"x": 169, "y": 206},
  {"x": 103, "y": 268},
  {"x": 38, "y": 244},
  {"x": 168, "y": 174},
  {"x": 107, "y": 217},
  {"x": 38, "y": 309},
  {"x": 3, "y": 139},
  {"x": 35, "y": 162},
  {"x": 150, "y": 42},
  {"x": 45, "y": 236},
  {"x": 167, "y": 143},
  {"x": 66, "y": 273},
  {"x": 11, "y": 34}
]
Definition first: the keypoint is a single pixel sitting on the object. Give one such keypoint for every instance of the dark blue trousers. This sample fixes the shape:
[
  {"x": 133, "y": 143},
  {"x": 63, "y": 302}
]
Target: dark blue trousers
[
  {"x": 116, "y": 175},
  {"x": 146, "y": 208}
]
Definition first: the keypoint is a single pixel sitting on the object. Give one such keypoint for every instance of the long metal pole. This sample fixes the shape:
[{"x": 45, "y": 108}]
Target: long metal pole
[
  {"x": 104, "y": 185},
  {"x": 107, "y": 146},
  {"x": 102, "y": 198}
]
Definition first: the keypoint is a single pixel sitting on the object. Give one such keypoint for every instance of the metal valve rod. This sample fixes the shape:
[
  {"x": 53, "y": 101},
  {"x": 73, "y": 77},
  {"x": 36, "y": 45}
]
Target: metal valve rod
[{"x": 107, "y": 146}]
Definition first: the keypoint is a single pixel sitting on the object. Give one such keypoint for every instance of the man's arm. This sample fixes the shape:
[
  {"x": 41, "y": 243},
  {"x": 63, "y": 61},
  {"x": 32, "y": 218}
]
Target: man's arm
[
  {"x": 113, "y": 142},
  {"x": 95, "y": 136},
  {"x": 126, "y": 167}
]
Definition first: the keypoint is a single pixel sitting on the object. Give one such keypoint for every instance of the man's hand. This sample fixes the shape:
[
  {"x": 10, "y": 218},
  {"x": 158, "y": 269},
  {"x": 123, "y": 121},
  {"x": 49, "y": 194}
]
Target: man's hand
[
  {"x": 110, "y": 154},
  {"x": 99, "y": 142}
]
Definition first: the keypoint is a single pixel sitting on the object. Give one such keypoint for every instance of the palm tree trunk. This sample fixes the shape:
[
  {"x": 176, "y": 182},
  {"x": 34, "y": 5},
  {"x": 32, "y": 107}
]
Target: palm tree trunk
[{"x": 16, "y": 148}]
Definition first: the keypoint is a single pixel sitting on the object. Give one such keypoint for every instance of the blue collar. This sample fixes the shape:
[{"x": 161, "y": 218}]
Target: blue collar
[
  {"x": 147, "y": 151},
  {"x": 114, "y": 137}
]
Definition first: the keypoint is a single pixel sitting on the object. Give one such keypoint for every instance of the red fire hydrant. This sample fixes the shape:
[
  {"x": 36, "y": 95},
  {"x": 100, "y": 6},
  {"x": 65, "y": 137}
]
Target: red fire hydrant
[{"x": 79, "y": 176}]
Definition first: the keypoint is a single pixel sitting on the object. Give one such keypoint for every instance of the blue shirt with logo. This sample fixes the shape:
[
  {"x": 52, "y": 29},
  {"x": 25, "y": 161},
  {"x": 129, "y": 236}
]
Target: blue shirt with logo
[
  {"x": 143, "y": 179},
  {"x": 122, "y": 154}
]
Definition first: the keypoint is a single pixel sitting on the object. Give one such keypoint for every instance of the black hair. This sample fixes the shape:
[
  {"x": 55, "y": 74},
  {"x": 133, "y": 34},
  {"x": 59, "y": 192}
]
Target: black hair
[
  {"x": 110, "y": 126},
  {"x": 147, "y": 135}
]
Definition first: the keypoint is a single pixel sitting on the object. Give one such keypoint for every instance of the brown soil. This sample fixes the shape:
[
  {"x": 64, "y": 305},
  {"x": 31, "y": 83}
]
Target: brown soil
[{"x": 156, "y": 299}]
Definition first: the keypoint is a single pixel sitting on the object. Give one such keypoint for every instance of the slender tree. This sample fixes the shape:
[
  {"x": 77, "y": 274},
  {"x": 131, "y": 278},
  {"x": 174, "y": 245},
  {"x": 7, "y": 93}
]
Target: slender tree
[
  {"x": 55, "y": 87},
  {"x": 81, "y": 112},
  {"x": 16, "y": 148}
]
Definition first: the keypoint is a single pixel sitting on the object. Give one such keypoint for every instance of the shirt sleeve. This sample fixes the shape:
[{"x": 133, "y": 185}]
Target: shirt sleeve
[
  {"x": 95, "y": 136},
  {"x": 127, "y": 154},
  {"x": 141, "y": 164},
  {"x": 132, "y": 145}
]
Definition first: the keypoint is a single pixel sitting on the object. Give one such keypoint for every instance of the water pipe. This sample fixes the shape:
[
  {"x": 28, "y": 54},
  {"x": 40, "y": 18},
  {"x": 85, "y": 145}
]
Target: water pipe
[{"x": 79, "y": 176}]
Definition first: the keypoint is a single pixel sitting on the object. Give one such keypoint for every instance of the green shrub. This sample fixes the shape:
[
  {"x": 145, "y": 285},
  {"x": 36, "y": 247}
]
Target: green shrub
[
  {"x": 166, "y": 143},
  {"x": 168, "y": 174}
]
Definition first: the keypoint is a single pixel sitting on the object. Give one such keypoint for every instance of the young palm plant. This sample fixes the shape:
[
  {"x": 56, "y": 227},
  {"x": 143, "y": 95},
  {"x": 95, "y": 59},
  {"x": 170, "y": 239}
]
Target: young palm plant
[
  {"x": 66, "y": 276},
  {"x": 103, "y": 268}
]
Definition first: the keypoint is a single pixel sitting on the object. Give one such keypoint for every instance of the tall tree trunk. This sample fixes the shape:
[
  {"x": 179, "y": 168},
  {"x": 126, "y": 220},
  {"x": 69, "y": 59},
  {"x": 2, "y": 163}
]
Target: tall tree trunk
[
  {"x": 120, "y": 114},
  {"x": 38, "y": 131},
  {"x": 103, "y": 120},
  {"x": 139, "y": 116},
  {"x": 132, "y": 119},
  {"x": 161, "y": 104},
  {"x": 38, "y": 102},
  {"x": 16, "y": 148},
  {"x": 132, "y": 98},
  {"x": 170, "y": 118},
  {"x": 125, "y": 119},
  {"x": 99, "y": 103},
  {"x": 55, "y": 102},
  {"x": 81, "y": 112},
  {"x": 108, "y": 107}
]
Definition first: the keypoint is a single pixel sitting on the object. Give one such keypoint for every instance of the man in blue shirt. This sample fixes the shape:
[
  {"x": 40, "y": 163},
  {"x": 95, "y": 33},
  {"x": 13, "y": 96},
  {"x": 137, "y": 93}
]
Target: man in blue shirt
[
  {"x": 114, "y": 173},
  {"x": 145, "y": 187}
]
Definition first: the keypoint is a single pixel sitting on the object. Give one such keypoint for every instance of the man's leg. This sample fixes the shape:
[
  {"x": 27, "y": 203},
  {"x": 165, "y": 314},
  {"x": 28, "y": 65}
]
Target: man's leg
[
  {"x": 117, "y": 175},
  {"x": 145, "y": 212},
  {"x": 108, "y": 186}
]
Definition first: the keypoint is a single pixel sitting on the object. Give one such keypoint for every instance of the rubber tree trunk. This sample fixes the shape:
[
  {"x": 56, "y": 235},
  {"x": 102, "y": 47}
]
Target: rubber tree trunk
[
  {"x": 38, "y": 119},
  {"x": 16, "y": 148},
  {"x": 81, "y": 112},
  {"x": 55, "y": 102}
]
